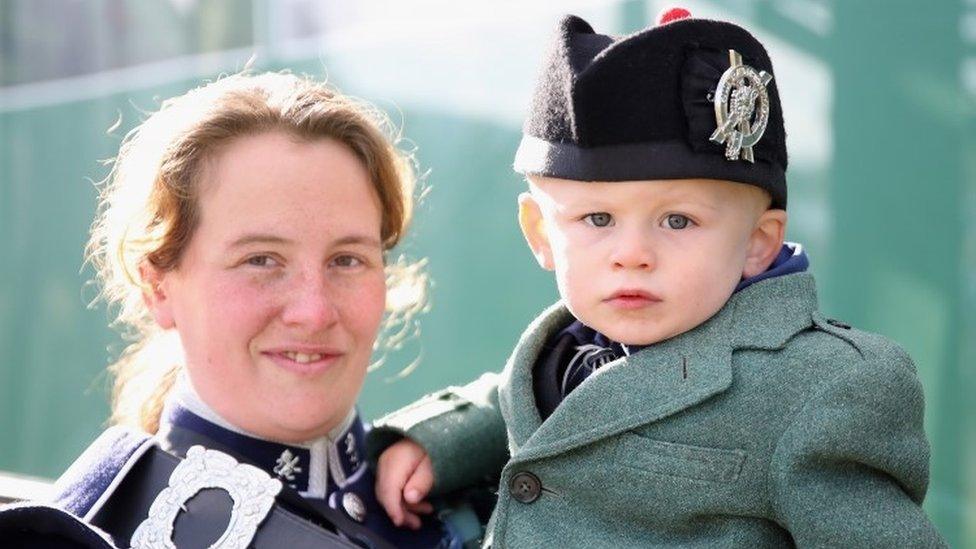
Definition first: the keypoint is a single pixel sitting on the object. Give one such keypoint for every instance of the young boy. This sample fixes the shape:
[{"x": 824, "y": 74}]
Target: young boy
[{"x": 686, "y": 391}]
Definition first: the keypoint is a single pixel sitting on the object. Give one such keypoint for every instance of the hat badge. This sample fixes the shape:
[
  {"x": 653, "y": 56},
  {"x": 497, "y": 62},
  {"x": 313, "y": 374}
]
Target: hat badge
[{"x": 741, "y": 108}]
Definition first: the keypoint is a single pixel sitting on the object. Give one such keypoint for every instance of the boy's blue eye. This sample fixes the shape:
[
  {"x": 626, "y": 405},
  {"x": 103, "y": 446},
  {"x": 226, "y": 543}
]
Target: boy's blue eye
[
  {"x": 599, "y": 219},
  {"x": 678, "y": 221}
]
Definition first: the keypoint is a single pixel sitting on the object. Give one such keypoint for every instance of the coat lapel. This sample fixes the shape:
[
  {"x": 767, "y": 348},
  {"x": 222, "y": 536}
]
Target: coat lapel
[
  {"x": 516, "y": 396},
  {"x": 659, "y": 381}
]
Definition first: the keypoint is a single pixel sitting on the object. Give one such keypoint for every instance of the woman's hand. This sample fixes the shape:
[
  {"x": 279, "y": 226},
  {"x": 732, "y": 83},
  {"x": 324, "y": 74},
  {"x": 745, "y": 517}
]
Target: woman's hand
[{"x": 404, "y": 476}]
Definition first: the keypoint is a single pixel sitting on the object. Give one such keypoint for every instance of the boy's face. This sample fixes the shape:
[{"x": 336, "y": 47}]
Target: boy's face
[{"x": 643, "y": 261}]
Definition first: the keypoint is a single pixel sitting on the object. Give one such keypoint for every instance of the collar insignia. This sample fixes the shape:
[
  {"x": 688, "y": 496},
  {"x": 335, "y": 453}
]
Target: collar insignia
[
  {"x": 287, "y": 465},
  {"x": 741, "y": 108},
  {"x": 351, "y": 453}
]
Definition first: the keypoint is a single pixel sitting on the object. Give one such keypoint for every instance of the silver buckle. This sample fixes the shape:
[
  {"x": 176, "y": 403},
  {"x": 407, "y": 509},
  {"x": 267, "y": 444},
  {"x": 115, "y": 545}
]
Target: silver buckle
[{"x": 252, "y": 491}]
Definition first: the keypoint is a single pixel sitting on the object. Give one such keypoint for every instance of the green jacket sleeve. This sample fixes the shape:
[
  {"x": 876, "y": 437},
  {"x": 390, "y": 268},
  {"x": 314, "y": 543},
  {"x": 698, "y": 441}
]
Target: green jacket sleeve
[
  {"x": 851, "y": 470},
  {"x": 461, "y": 428}
]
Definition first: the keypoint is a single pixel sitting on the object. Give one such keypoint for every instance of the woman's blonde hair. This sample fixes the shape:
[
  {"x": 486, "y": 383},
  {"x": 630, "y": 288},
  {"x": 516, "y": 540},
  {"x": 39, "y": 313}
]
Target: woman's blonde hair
[{"x": 149, "y": 211}]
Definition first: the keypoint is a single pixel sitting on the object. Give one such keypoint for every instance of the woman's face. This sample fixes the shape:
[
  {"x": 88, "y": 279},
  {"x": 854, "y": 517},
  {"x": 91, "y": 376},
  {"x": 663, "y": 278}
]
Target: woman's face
[{"x": 278, "y": 297}]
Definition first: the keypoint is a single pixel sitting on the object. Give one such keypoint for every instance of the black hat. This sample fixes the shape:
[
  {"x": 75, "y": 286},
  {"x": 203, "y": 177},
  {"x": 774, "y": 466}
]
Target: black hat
[{"x": 688, "y": 98}]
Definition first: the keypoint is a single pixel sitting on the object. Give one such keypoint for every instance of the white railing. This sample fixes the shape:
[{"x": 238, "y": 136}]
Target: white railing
[{"x": 15, "y": 487}]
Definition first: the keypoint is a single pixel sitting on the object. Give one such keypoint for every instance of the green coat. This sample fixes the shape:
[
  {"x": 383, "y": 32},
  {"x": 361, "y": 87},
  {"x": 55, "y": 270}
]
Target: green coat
[{"x": 766, "y": 426}]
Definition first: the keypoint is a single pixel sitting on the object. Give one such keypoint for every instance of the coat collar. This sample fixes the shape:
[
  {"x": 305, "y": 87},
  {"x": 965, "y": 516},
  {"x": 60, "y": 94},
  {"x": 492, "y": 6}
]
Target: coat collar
[
  {"x": 656, "y": 382},
  {"x": 314, "y": 469}
]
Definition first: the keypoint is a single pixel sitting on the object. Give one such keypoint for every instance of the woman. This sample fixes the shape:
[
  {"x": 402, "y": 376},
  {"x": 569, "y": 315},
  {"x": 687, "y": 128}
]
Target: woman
[{"x": 243, "y": 237}]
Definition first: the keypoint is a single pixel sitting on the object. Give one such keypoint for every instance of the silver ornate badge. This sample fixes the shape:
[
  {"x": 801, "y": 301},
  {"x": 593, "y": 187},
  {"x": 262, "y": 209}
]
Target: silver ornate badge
[
  {"x": 287, "y": 465},
  {"x": 351, "y": 449},
  {"x": 252, "y": 491},
  {"x": 741, "y": 108}
]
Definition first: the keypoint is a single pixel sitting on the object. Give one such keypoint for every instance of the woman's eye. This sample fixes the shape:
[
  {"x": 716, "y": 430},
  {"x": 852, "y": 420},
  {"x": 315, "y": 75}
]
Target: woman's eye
[
  {"x": 261, "y": 261},
  {"x": 677, "y": 221},
  {"x": 347, "y": 261},
  {"x": 599, "y": 219}
]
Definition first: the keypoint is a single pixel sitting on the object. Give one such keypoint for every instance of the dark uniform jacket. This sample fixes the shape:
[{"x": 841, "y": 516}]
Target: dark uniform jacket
[{"x": 115, "y": 485}]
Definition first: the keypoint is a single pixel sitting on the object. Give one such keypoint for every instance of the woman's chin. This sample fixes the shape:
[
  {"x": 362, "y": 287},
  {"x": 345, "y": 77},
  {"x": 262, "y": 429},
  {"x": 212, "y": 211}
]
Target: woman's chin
[{"x": 293, "y": 428}]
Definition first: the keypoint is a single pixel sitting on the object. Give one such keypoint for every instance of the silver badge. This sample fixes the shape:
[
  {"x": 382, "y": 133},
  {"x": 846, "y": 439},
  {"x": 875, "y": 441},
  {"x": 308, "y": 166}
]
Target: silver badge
[
  {"x": 354, "y": 506},
  {"x": 287, "y": 465},
  {"x": 741, "y": 108},
  {"x": 351, "y": 449},
  {"x": 252, "y": 491}
]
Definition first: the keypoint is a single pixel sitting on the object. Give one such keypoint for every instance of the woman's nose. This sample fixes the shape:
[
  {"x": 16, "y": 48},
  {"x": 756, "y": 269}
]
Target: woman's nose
[
  {"x": 311, "y": 304},
  {"x": 633, "y": 250}
]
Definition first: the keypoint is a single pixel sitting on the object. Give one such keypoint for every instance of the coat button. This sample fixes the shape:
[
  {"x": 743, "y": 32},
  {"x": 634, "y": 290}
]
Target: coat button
[
  {"x": 354, "y": 507},
  {"x": 839, "y": 324},
  {"x": 525, "y": 487}
]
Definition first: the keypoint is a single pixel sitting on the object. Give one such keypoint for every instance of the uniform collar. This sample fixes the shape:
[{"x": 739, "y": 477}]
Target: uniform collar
[
  {"x": 314, "y": 468},
  {"x": 660, "y": 380},
  {"x": 767, "y": 314}
]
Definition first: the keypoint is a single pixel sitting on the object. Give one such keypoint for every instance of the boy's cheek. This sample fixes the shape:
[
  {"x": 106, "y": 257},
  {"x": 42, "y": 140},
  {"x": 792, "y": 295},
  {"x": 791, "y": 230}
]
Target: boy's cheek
[
  {"x": 566, "y": 293},
  {"x": 578, "y": 290},
  {"x": 566, "y": 267},
  {"x": 551, "y": 255}
]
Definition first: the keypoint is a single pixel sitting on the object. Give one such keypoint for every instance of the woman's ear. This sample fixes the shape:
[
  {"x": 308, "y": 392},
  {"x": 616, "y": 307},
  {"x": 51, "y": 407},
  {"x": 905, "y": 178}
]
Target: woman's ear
[
  {"x": 155, "y": 295},
  {"x": 534, "y": 229},
  {"x": 765, "y": 242}
]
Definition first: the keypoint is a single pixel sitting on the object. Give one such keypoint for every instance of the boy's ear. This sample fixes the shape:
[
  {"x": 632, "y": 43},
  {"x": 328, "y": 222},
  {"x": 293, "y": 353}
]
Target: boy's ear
[
  {"x": 155, "y": 296},
  {"x": 765, "y": 242},
  {"x": 534, "y": 229}
]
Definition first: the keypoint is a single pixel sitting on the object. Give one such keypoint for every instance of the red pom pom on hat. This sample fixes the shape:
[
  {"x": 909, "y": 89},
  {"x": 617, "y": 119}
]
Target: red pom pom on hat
[{"x": 672, "y": 14}]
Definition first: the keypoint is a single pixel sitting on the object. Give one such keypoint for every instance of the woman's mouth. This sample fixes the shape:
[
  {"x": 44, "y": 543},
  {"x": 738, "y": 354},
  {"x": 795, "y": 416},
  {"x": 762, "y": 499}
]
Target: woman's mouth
[
  {"x": 308, "y": 363},
  {"x": 303, "y": 358}
]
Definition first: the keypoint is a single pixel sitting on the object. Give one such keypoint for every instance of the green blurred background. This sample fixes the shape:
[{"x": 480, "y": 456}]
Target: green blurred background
[{"x": 879, "y": 105}]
